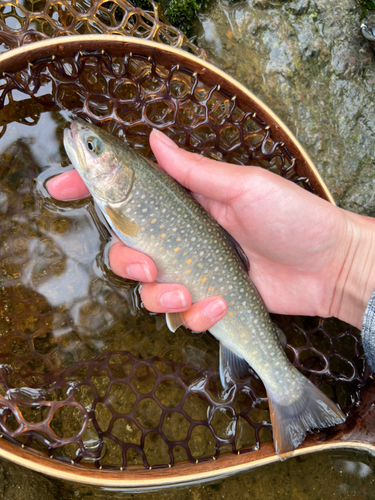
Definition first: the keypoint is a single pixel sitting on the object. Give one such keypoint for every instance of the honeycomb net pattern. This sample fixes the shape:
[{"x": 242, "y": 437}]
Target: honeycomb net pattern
[
  {"x": 28, "y": 21},
  {"x": 87, "y": 375}
]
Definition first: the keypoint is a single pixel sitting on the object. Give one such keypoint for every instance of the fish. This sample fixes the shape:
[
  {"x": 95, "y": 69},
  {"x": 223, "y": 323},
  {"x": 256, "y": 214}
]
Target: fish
[{"x": 150, "y": 212}]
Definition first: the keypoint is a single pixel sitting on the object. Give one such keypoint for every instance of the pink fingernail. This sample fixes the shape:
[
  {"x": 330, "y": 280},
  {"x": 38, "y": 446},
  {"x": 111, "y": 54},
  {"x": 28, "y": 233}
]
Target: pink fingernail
[
  {"x": 164, "y": 138},
  {"x": 173, "y": 299},
  {"x": 214, "y": 309},
  {"x": 138, "y": 272}
]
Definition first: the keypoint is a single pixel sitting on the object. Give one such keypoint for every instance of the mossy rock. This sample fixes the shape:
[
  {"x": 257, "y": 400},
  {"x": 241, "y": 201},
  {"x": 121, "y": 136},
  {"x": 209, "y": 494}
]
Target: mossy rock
[
  {"x": 367, "y": 5},
  {"x": 180, "y": 13}
]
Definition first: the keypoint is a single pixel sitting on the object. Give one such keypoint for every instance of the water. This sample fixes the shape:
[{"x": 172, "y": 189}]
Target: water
[{"x": 255, "y": 41}]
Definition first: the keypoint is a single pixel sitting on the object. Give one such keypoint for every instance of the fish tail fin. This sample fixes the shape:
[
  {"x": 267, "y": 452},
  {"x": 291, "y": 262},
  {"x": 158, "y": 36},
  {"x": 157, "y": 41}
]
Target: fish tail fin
[{"x": 310, "y": 411}]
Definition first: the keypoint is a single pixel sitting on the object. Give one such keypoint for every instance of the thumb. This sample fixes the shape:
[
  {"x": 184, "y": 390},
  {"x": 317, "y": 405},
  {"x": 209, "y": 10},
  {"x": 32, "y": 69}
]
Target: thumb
[{"x": 212, "y": 179}]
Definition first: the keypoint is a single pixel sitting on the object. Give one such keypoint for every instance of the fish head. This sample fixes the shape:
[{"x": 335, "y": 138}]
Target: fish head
[{"x": 100, "y": 159}]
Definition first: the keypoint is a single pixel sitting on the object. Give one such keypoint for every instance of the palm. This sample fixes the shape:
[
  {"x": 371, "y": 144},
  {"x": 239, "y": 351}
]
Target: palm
[{"x": 290, "y": 238}]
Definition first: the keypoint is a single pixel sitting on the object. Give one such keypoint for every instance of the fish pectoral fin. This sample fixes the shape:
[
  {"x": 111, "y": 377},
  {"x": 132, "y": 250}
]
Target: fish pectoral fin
[
  {"x": 122, "y": 223},
  {"x": 174, "y": 321},
  {"x": 232, "y": 367},
  {"x": 282, "y": 337},
  {"x": 243, "y": 258}
]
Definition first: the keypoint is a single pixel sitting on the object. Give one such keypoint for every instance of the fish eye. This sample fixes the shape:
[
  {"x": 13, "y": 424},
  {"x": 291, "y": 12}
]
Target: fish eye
[{"x": 94, "y": 145}]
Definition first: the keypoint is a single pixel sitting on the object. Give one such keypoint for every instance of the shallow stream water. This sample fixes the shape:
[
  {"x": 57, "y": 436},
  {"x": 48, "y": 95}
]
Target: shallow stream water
[
  {"x": 317, "y": 74},
  {"x": 307, "y": 60}
]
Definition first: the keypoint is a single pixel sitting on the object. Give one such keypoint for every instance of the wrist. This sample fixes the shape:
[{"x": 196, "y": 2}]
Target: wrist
[{"x": 356, "y": 280}]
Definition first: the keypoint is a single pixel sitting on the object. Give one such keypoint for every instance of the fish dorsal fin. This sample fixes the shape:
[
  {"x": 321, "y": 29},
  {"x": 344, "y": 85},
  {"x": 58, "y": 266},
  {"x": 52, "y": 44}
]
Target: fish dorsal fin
[
  {"x": 122, "y": 223},
  {"x": 232, "y": 367},
  {"x": 174, "y": 320},
  {"x": 282, "y": 337},
  {"x": 239, "y": 251}
]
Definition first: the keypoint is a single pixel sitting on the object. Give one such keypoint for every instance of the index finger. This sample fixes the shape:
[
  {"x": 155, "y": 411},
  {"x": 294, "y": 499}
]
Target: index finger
[
  {"x": 219, "y": 181},
  {"x": 67, "y": 186}
]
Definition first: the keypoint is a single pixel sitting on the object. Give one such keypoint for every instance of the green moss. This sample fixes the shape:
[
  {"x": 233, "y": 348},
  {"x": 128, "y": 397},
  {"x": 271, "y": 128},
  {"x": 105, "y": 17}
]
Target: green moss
[
  {"x": 366, "y": 6},
  {"x": 180, "y": 13}
]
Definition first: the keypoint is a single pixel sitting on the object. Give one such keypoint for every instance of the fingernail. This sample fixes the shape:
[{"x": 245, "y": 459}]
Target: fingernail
[
  {"x": 138, "y": 272},
  {"x": 173, "y": 299},
  {"x": 164, "y": 138},
  {"x": 214, "y": 309}
]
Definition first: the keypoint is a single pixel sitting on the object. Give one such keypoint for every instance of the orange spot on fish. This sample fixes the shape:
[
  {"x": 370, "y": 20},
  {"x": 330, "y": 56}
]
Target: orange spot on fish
[
  {"x": 161, "y": 249},
  {"x": 153, "y": 221},
  {"x": 178, "y": 239},
  {"x": 152, "y": 237},
  {"x": 188, "y": 271},
  {"x": 243, "y": 335},
  {"x": 161, "y": 227},
  {"x": 175, "y": 261},
  {"x": 188, "y": 261},
  {"x": 163, "y": 236},
  {"x": 239, "y": 327},
  {"x": 200, "y": 266},
  {"x": 231, "y": 314},
  {"x": 177, "y": 249},
  {"x": 203, "y": 280},
  {"x": 211, "y": 289},
  {"x": 185, "y": 254}
]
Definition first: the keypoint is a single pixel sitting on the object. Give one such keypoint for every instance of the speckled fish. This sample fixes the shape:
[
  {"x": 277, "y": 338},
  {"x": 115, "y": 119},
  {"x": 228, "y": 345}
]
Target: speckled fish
[{"x": 150, "y": 212}]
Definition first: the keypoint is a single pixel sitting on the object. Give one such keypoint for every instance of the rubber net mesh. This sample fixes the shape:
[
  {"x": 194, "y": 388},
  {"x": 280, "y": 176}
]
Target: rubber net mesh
[{"x": 87, "y": 374}]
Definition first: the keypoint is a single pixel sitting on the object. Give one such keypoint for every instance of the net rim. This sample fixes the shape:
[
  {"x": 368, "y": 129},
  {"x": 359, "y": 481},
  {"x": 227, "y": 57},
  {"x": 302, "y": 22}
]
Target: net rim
[
  {"x": 135, "y": 479},
  {"x": 19, "y": 58}
]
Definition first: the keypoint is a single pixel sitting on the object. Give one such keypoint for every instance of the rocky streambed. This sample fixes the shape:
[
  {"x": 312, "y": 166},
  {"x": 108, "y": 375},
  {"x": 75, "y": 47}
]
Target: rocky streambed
[{"x": 307, "y": 60}]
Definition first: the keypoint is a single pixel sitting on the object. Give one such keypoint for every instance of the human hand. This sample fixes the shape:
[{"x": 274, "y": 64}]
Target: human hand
[{"x": 305, "y": 254}]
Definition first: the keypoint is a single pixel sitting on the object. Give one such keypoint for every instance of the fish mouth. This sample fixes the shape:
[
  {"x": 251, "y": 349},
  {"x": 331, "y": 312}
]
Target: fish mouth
[
  {"x": 68, "y": 137},
  {"x": 72, "y": 135},
  {"x": 69, "y": 145},
  {"x": 72, "y": 146}
]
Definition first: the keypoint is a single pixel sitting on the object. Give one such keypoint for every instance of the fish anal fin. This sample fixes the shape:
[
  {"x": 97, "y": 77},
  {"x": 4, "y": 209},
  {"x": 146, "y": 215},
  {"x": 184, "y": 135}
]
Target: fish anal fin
[
  {"x": 122, "y": 223},
  {"x": 159, "y": 321},
  {"x": 231, "y": 367},
  {"x": 298, "y": 415},
  {"x": 174, "y": 320}
]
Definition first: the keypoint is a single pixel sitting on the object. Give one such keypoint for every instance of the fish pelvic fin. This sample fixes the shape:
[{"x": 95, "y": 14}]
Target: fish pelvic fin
[
  {"x": 174, "y": 320},
  {"x": 291, "y": 421}
]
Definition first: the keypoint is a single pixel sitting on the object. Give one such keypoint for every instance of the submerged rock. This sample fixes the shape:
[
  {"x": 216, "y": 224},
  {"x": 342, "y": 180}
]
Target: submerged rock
[{"x": 307, "y": 60}]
